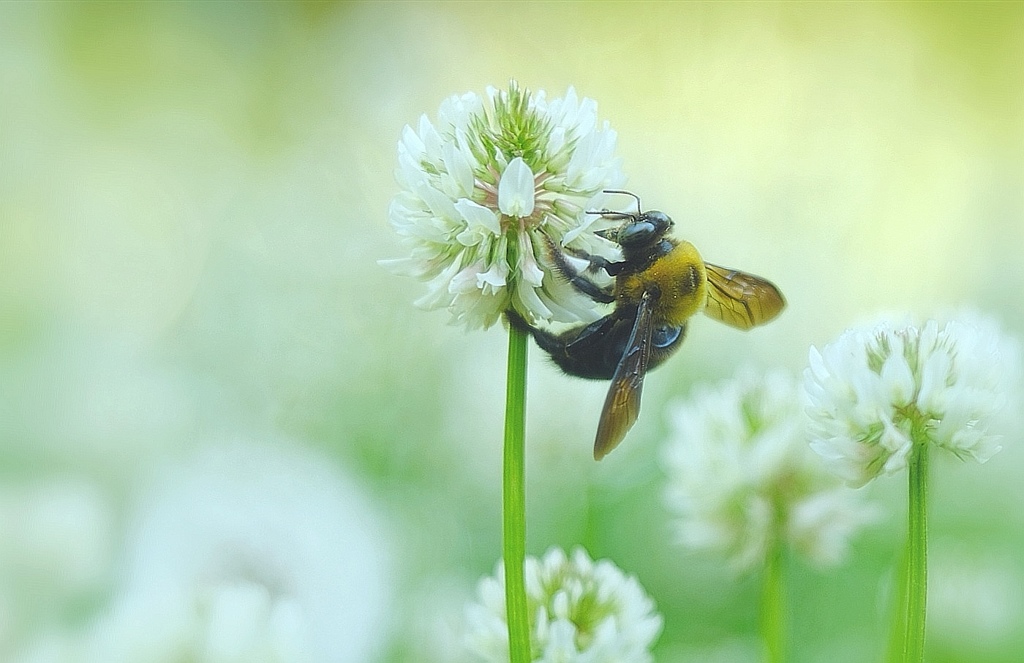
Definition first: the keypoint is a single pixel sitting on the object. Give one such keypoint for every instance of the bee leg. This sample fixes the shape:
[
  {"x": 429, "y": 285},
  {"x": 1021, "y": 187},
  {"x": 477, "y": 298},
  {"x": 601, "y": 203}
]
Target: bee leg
[
  {"x": 566, "y": 342},
  {"x": 592, "y": 290},
  {"x": 517, "y": 321},
  {"x": 577, "y": 280},
  {"x": 584, "y": 352},
  {"x": 598, "y": 263}
]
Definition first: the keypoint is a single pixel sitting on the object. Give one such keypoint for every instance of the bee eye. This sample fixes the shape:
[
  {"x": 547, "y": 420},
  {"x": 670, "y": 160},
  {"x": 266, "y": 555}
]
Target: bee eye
[
  {"x": 661, "y": 221},
  {"x": 645, "y": 229},
  {"x": 636, "y": 233}
]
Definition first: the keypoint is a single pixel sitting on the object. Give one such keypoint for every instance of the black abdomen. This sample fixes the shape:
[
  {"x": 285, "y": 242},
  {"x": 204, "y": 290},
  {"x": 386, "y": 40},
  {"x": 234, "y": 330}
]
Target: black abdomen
[{"x": 594, "y": 351}]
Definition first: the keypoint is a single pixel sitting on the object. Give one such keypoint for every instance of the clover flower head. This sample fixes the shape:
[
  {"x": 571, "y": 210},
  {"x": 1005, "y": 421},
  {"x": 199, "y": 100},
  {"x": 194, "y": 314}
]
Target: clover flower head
[
  {"x": 876, "y": 391},
  {"x": 580, "y": 611},
  {"x": 244, "y": 552},
  {"x": 741, "y": 477},
  {"x": 490, "y": 190}
]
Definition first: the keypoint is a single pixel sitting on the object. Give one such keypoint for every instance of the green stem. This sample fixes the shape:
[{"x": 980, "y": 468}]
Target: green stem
[
  {"x": 917, "y": 552},
  {"x": 898, "y": 633},
  {"x": 514, "y": 500},
  {"x": 773, "y": 606}
]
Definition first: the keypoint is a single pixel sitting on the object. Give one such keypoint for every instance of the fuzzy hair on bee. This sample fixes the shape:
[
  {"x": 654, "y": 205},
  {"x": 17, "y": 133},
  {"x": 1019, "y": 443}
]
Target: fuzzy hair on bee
[{"x": 658, "y": 285}]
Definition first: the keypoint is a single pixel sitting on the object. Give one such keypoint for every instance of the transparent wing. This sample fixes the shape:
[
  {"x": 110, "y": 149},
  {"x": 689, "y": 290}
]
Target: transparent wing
[
  {"x": 739, "y": 299},
  {"x": 622, "y": 405}
]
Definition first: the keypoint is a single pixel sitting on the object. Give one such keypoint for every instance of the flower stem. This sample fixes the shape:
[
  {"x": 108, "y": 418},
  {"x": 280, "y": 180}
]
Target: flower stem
[
  {"x": 773, "y": 606},
  {"x": 514, "y": 499},
  {"x": 898, "y": 632},
  {"x": 917, "y": 553}
]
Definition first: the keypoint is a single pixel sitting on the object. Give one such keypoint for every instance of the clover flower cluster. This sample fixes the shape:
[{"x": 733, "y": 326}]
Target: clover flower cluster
[
  {"x": 741, "y": 477},
  {"x": 876, "y": 391},
  {"x": 580, "y": 611},
  {"x": 489, "y": 189}
]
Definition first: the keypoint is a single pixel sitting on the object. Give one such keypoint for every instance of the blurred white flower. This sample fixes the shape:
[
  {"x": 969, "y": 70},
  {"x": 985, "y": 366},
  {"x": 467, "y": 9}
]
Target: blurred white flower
[
  {"x": 581, "y": 611},
  {"x": 55, "y": 551},
  {"x": 81, "y": 400},
  {"x": 740, "y": 475},
  {"x": 245, "y": 554},
  {"x": 486, "y": 193},
  {"x": 56, "y": 535},
  {"x": 876, "y": 391}
]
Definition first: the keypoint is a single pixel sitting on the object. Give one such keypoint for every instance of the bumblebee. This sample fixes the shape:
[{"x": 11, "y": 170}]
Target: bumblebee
[{"x": 659, "y": 284}]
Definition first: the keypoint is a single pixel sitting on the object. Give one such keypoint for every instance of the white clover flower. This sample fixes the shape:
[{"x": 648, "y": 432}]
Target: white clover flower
[
  {"x": 488, "y": 189},
  {"x": 581, "y": 611},
  {"x": 740, "y": 475},
  {"x": 244, "y": 553},
  {"x": 876, "y": 391},
  {"x": 56, "y": 540}
]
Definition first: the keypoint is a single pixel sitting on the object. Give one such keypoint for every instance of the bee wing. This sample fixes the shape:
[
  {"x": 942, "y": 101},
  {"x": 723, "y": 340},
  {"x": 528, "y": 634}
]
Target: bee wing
[
  {"x": 622, "y": 404},
  {"x": 739, "y": 299}
]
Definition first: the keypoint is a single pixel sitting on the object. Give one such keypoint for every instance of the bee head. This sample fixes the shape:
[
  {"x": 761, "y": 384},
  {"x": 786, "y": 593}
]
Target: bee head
[{"x": 641, "y": 230}]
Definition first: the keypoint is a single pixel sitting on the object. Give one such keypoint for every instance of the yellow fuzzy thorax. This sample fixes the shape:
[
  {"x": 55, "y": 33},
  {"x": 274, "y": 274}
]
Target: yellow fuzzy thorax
[{"x": 679, "y": 277}]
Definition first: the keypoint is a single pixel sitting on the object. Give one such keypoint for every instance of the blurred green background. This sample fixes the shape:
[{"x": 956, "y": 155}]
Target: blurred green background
[{"x": 193, "y": 198}]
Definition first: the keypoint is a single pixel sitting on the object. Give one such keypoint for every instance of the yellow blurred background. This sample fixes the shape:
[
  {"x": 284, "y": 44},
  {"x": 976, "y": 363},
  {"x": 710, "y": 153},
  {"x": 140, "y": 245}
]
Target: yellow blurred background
[{"x": 193, "y": 199}]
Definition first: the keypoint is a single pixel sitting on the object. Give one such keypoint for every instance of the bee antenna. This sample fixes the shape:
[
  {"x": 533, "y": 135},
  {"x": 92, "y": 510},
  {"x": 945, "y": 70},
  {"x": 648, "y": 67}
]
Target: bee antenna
[
  {"x": 639, "y": 208},
  {"x": 619, "y": 215}
]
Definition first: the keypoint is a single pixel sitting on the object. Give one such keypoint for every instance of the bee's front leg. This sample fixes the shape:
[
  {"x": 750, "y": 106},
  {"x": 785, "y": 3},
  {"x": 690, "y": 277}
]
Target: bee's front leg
[
  {"x": 603, "y": 295},
  {"x": 595, "y": 263}
]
